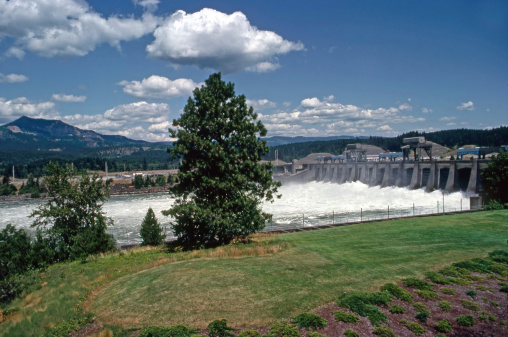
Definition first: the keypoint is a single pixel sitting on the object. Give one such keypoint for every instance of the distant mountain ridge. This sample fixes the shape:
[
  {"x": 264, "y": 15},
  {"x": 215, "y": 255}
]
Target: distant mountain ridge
[
  {"x": 29, "y": 134},
  {"x": 282, "y": 140}
]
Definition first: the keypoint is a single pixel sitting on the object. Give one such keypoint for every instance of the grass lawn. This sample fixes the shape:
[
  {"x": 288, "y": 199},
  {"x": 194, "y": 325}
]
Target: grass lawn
[{"x": 303, "y": 271}]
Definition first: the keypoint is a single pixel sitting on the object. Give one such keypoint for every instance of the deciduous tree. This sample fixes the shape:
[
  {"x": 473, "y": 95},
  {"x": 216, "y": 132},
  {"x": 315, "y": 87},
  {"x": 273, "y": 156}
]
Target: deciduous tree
[
  {"x": 221, "y": 180},
  {"x": 495, "y": 178}
]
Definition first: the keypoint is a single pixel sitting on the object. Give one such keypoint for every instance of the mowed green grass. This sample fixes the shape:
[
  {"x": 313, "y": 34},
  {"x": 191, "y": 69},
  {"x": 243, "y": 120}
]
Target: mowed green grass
[{"x": 319, "y": 266}]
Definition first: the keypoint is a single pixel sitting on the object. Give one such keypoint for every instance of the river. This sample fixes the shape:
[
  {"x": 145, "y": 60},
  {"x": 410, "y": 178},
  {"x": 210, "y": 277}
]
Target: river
[{"x": 314, "y": 203}]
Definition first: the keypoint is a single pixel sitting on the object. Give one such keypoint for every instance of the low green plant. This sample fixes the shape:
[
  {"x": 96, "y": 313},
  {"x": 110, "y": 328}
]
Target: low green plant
[
  {"x": 351, "y": 333},
  {"x": 493, "y": 205},
  {"x": 445, "y": 305},
  {"x": 493, "y": 304},
  {"x": 465, "y": 320},
  {"x": 309, "y": 321},
  {"x": 448, "y": 291},
  {"x": 462, "y": 282},
  {"x": 398, "y": 292},
  {"x": 503, "y": 289},
  {"x": 342, "y": 316},
  {"x": 360, "y": 302},
  {"x": 470, "y": 305},
  {"x": 252, "y": 333},
  {"x": 443, "y": 326},
  {"x": 499, "y": 255},
  {"x": 415, "y": 282},
  {"x": 483, "y": 288},
  {"x": 420, "y": 307},
  {"x": 500, "y": 269},
  {"x": 414, "y": 327},
  {"x": 495, "y": 277},
  {"x": 422, "y": 316},
  {"x": 397, "y": 309},
  {"x": 476, "y": 265},
  {"x": 440, "y": 335},
  {"x": 471, "y": 293},
  {"x": 474, "y": 278},
  {"x": 487, "y": 317},
  {"x": 284, "y": 329},
  {"x": 316, "y": 334},
  {"x": 178, "y": 330},
  {"x": 438, "y": 278},
  {"x": 383, "y": 331},
  {"x": 219, "y": 328},
  {"x": 503, "y": 322},
  {"x": 428, "y": 294}
]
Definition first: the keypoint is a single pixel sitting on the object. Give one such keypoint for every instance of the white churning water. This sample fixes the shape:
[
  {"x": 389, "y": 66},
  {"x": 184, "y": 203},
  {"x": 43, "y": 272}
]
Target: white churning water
[{"x": 314, "y": 203}]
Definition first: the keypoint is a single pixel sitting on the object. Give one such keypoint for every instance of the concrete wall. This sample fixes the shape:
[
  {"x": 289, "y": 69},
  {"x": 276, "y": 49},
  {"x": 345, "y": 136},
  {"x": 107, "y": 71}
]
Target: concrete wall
[{"x": 412, "y": 174}]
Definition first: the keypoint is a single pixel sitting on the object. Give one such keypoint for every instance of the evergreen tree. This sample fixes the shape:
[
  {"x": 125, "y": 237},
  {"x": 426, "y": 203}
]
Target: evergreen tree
[
  {"x": 495, "y": 178},
  {"x": 151, "y": 230},
  {"x": 221, "y": 182}
]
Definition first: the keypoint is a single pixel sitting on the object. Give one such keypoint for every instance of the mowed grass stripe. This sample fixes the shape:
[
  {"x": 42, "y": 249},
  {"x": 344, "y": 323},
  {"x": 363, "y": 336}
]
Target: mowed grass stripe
[{"x": 253, "y": 291}]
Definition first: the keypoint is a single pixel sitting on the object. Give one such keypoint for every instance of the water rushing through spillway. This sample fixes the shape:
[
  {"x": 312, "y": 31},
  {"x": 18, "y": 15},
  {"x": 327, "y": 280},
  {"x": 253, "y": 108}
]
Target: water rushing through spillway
[{"x": 314, "y": 203}]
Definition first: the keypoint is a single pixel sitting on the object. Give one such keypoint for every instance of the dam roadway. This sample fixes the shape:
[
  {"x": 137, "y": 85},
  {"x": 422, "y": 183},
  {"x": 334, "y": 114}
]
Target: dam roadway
[{"x": 449, "y": 176}]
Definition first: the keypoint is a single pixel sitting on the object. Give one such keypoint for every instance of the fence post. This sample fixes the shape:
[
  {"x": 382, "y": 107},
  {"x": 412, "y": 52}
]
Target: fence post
[
  {"x": 361, "y": 214},
  {"x": 413, "y": 209},
  {"x": 388, "y": 212},
  {"x": 333, "y": 219}
]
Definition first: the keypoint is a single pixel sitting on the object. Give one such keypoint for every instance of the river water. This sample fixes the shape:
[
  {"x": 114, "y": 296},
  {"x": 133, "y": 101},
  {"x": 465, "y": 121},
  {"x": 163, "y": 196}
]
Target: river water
[{"x": 314, "y": 203}]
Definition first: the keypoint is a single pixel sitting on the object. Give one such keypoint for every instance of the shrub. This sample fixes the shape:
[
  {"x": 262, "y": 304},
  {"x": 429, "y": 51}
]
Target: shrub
[
  {"x": 428, "y": 294},
  {"x": 483, "y": 288},
  {"x": 438, "y": 278},
  {"x": 309, "y": 321},
  {"x": 14, "y": 245},
  {"x": 151, "y": 230},
  {"x": 487, "y": 317},
  {"x": 383, "y": 331},
  {"x": 351, "y": 333},
  {"x": 465, "y": 320},
  {"x": 219, "y": 328},
  {"x": 500, "y": 269},
  {"x": 454, "y": 271},
  {"x": 422, "y": 316},
  {"x": 254, "y": 333},
  {"x": 476, "y": 265},
  {"x": 283, "y": 330},
  {"x": 342, "y": 316},
  {"x": 398, "y": 292},
  {"x": 420, "y": 307},
  {"x": 503, "y": 289},
  {"x": 445, "y": 305},
  {"x": 415, "y": 282},
  {"x": 493, "y": 205},
  {"x": 448, "y": 291},
  {"x": 443, "y": 326},
  {"x": 499, "y": 256},
  {"x": 380, "y": 298},
  {"x": 471, "y": 293},
  {"x": 470, "y": 305},
  {"x": 414, "y": 327},
  {"x": 177, "y": 330},
  {"x": 397, "y": 309},
  {"x": 316, "y": 334},
  {"x": 360, "y": 302}
]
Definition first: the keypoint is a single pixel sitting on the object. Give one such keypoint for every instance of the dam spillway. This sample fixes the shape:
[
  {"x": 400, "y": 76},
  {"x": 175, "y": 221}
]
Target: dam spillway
[{"x": 446, "y": 175}]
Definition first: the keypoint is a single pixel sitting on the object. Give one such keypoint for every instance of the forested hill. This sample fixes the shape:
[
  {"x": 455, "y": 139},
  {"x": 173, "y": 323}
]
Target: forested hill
[{"x": 449, "y": 138}]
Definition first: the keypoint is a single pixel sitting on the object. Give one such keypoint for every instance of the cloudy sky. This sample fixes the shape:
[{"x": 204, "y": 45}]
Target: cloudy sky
[{"x": 309, "y": 68}]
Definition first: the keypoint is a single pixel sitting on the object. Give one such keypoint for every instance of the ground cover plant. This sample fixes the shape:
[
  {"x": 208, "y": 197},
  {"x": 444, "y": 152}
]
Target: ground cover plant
[{"x": 272, "y": 279}]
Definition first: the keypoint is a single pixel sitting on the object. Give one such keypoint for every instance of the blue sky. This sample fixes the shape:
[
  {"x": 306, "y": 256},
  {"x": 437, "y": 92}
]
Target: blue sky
[{"x": 309, "y": 68}]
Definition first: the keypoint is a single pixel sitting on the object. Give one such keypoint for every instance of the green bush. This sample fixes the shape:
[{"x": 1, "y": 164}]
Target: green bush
[
  {"x": 342, "y": 316},
  {"x": 220, "y": 328},
  {"x": 503, "y": 289},
  {"x": 487, "y": 317},
  {"x": 448, "y": 291},
  {"x": 151, "y": 230},
  {"x": 476, "y": 265},
  {"x": 471, "y": 293},
  {"x": 470, "y": 305},
  {"x": 177, "y": 330},
  {"x": 398, "y": 292},
  {"x": 316, "y": 334},
  {"x": 414, "y": 327},
  {"x": 309, "y": 321},
  {"x": 397, "y": 309},
  {"x": 14, "y": 245},
  {"x": 443, "y": 326},
  {"x": 351, "y": 333},
  {"x": 415, "y": 282},
  {"x": 253, "y": 333},
  {"x": 383, "y": 331},
  {"x": 428, "y": 294},
  {"x": 454, "y": 271},
  {"x": 283, "y": 330},
  {"x": 360, "y": 302},
  {"x": 493, "y": 205},
  {"x": 437, "y": 278},
  {"x": 422, "y": 316},
  {"x": 420, "y": 307},
  {"x": 499, "y": 256},
  {"x": 445, "y": 305},
  {"x": 465, "y": 320}
]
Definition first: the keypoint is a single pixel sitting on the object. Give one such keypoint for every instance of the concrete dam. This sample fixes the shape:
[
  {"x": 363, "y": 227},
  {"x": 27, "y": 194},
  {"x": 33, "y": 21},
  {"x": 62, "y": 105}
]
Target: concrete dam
[{"x": 449, "y": 176}]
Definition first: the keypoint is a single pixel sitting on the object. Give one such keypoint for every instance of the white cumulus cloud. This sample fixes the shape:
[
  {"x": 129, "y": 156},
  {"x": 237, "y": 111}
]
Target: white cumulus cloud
[
  {"x": 139, "y": 112},
  {"x": 65, "y": 27},
  {"x": 261, "y": 104},
  {"x": 212, "y": 39},
  {"x": 466, "y": 106},
  {"x": 22, "y": 106},
  {"x": 13, "y": 78},
  {"x": 159, "y": 87},
  {"x": 68, "y": 98}
]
